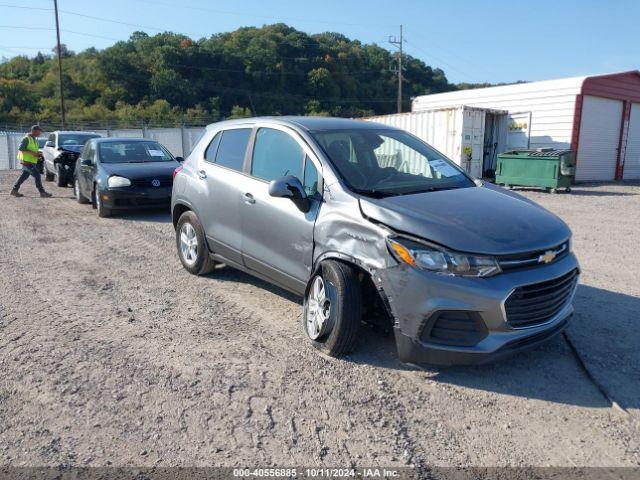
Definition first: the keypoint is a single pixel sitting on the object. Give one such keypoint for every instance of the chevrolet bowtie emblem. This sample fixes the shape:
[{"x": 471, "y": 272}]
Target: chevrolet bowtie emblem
[{"x": 547, "y": 257}]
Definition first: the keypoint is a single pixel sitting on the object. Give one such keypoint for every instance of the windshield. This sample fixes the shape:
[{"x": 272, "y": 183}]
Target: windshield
[
  {"x": 383, "y": 162},
  {"x": 129, "y": 151},
  {"x": 74, "y": 138}
]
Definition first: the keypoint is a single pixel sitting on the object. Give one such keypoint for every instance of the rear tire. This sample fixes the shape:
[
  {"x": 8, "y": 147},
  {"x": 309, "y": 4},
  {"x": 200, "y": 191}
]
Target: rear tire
[
  {"x": 192, "y": 245},
  {"x": 339, "y": 309},
  {"x": 78, "y": 194}
]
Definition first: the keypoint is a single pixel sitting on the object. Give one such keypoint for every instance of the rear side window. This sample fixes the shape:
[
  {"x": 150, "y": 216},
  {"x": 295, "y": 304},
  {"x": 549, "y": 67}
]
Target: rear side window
[
  {"x": 232, "y": 148},
  {"x": 276, "y": 154},
  {"x": 210, "y": 152}
]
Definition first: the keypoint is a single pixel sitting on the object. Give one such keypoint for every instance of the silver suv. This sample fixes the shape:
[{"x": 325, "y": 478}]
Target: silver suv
[{"x": 368, "y": 223}]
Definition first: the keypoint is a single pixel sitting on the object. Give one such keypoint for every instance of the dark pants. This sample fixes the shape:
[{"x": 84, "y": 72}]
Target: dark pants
[{"x": 29, "y": 169}]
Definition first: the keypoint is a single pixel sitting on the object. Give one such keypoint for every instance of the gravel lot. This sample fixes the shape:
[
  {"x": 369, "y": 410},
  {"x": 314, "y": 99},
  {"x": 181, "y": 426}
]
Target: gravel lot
[{"x": 112, "y": 354}]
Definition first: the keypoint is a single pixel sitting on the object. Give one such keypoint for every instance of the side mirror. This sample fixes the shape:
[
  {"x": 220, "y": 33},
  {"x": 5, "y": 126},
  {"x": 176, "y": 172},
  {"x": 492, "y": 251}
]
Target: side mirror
[
  {"x": 49, "y": 144},
  {"x": 179, "y": 159},
  {"x": 86, "y": 162},
  {"x": 290, "y": 187}
]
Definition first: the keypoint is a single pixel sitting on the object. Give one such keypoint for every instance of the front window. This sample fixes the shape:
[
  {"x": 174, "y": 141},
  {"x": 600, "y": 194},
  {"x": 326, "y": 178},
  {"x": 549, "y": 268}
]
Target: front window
[
  {"x": 383, "y": 162},
  {"x": 131, "y": 151},
  {"x": 276, "y": 154},
  {"x": 66, "y": 139}
]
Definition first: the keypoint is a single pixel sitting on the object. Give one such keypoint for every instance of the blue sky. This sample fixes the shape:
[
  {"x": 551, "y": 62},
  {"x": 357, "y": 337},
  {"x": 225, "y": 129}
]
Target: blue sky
[{"x": 472, "y": 41}]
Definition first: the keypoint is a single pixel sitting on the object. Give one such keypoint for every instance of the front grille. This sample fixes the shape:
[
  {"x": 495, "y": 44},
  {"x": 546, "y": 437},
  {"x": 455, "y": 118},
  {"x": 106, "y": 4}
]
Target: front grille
[
  {"x": 536, "y": 338},
  {"x": 525, "y": 260},
  {"x": 537, "y": 303},
  {"x": 147, "y": 182},
  {"x": 454, "y": 327}
]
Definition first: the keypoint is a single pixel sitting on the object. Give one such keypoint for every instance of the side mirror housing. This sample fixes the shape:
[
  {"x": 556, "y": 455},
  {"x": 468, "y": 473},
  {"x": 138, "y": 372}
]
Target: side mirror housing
[
  {"x": 290, "y": 187},
  {"x": 179, "y": 159},
  {"x": 49, "y": 143}
]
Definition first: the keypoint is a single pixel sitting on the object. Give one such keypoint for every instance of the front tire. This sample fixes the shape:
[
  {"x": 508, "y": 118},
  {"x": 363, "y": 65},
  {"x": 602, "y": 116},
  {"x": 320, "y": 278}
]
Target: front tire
[
  {"x": 333, "y": 308},
  {"x": 61, "y": 180},
  {"x": 192, "y": 245},
  {"x": 103, "y": 212},
  {"x": 78, "y": 194},
  {"x": 47, "y": 176}
]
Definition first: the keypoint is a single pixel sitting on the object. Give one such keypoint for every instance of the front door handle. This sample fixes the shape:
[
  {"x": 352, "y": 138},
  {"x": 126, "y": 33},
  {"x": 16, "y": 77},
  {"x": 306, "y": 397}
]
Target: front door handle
[
  {"x": 202, "y": 174},
  {"x": 248, "y": 198}
]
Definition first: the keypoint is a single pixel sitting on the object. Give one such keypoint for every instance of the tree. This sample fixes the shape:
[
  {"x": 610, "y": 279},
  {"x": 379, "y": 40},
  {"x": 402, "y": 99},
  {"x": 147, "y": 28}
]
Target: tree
[{"x": 170, "y": 78}]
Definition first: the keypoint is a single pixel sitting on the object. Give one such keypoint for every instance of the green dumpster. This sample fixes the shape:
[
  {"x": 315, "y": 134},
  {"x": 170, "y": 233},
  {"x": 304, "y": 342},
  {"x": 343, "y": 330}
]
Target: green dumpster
[{"x": 544, "y": 168}]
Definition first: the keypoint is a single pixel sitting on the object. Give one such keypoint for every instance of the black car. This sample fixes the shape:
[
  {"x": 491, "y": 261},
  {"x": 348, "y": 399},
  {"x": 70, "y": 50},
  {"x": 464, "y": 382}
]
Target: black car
[{"x": 124, "y": 173}]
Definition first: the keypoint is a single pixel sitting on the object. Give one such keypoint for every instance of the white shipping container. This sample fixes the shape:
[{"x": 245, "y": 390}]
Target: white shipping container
[
  {"x": 548, "y": 107},
  {"x": 457, "y": 132}
]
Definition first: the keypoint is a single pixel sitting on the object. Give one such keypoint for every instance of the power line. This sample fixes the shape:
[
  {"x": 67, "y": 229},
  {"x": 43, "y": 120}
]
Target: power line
[
  {"x": 62, "y": 30},
  {"x": 359, "y": 73},
  {"x": 442, "y": 61},
  {"x": 25, "y": 8},
  {"x": 305, "y": 97},
  {"x": 108, "y": 20},
  {"x": 450, "y": 52},
  {"x": 276, "y": 18}
]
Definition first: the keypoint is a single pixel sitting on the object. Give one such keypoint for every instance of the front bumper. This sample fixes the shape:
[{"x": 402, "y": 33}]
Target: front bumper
[
  {"x": 132, "y": 198},
  {"x": 414, "y": 297},
  {"x": 67, "y": 162}
]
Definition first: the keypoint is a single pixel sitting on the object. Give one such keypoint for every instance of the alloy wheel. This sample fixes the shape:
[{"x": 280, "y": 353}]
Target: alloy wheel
[
  {"x": 318, "y": 310},
  {"x": 188, "y": 243}
]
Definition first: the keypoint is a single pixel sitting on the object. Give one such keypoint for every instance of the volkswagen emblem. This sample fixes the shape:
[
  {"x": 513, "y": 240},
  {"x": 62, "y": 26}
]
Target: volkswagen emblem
[{"x": 155, "y": 182}]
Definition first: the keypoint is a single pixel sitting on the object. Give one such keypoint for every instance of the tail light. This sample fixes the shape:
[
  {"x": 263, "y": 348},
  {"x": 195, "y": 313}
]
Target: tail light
[{"x": 175, "y": 172}]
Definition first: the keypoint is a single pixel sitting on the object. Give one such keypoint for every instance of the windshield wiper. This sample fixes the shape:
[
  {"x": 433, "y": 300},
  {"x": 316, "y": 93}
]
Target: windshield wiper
[
  {"x": 432, "y": 189},
  {"x": 374, "y": 193}
]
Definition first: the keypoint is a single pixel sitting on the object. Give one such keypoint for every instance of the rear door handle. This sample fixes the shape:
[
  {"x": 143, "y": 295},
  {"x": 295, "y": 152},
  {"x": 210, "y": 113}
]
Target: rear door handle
[
  {"x": 248, "y": 198},
  {"x": 202, "y": 174}
]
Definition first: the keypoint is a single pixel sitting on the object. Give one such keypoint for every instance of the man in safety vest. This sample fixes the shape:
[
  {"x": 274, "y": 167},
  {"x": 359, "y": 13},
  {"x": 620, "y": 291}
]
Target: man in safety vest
[{"x": 28, "y": 157}]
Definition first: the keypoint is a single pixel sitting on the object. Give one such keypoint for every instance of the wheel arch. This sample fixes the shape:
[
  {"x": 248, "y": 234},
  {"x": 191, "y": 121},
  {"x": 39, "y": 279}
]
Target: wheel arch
[
  {"x": 369, "y": 288},
  {"x": 178, "y": 209}
]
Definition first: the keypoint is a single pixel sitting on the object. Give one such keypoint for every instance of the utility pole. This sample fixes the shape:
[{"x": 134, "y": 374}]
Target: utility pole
[
  {"x": 59, "y": 48},
  {"x": 397, "y": 42}
]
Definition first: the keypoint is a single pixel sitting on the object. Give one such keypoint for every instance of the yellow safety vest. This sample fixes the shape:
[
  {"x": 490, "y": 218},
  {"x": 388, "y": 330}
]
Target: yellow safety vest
[{"x": 32, "y": 146}]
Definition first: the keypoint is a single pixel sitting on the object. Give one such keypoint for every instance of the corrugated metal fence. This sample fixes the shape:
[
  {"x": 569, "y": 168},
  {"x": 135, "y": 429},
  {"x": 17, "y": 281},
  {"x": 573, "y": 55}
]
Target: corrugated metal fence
[{"x": 179, "y": 141}]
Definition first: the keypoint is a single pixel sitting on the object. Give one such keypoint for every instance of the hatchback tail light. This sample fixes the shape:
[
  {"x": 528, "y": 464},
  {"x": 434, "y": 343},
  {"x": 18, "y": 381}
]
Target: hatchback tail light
[{"x": 175, "y": 172}]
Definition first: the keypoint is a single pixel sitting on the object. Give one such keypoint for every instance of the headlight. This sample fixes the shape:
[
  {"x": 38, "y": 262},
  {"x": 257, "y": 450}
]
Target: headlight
[
  {"x": 438, "y": 260},
  {"x": 116, "y": 181}
]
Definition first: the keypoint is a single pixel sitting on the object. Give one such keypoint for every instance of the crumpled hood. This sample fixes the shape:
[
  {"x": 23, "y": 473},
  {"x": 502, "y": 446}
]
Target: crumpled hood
[
  {"x": 486, "y": 220},
  {"x": 141, "y": 170},
  {"x": 72, "y": 148}
]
